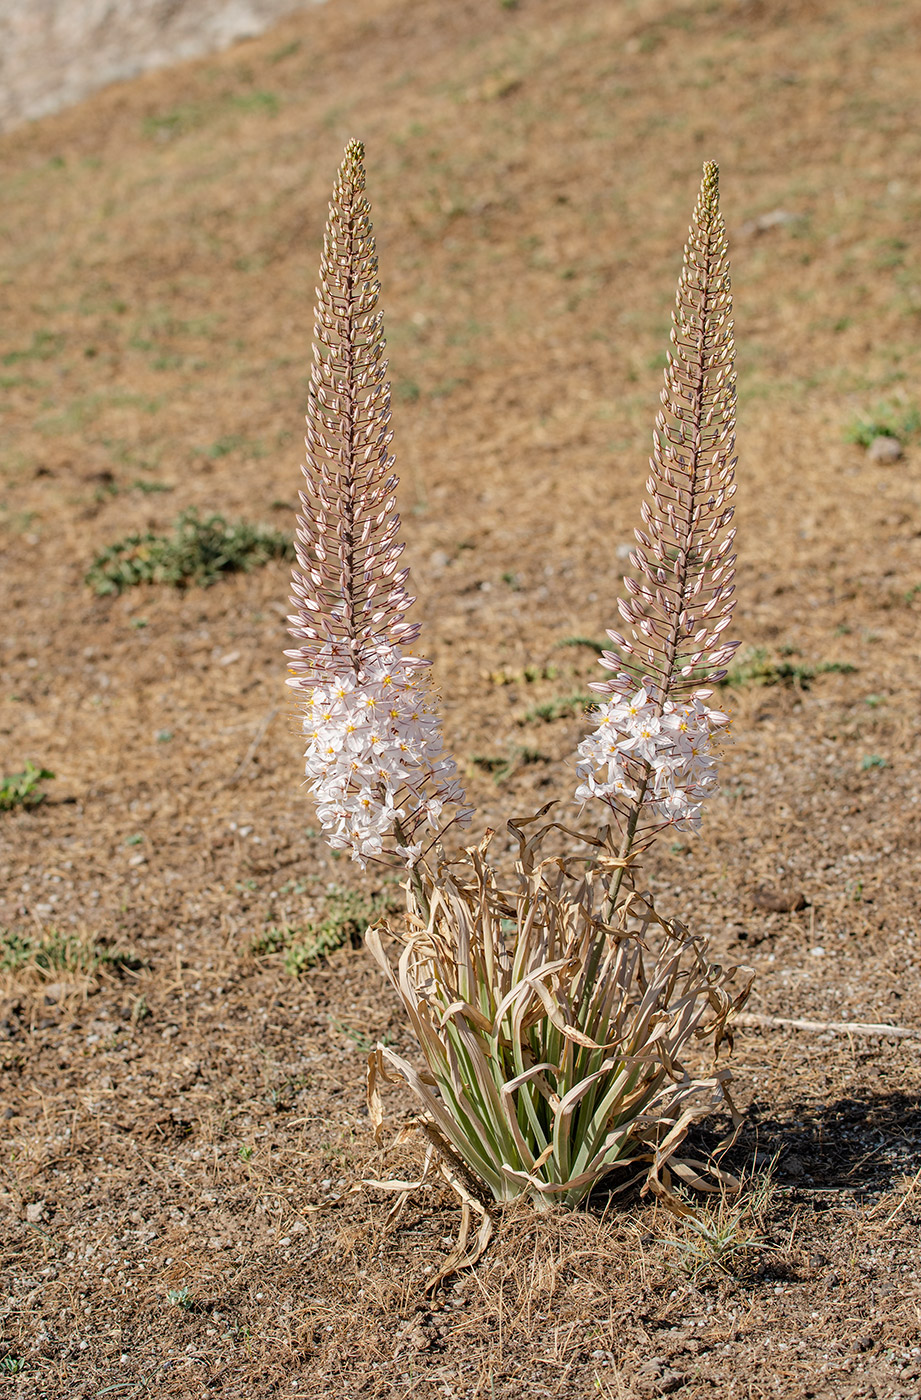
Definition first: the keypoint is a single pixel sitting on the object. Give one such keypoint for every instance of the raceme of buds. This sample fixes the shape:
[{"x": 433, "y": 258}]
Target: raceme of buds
[
  {"x": 374, "y": 755},
  {"x": 680, "y": 601}
]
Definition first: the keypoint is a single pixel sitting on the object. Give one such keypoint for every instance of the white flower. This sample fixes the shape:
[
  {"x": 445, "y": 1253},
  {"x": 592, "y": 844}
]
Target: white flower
[
  {"x": 667, "y": 754},
  {"x": 374, "y": 755}
]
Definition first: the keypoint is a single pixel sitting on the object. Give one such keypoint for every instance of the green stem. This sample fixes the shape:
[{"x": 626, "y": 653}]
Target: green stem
[
  {"x": 414, "y": 876},
  {"x": 627, "y": 843},
  {"x": 594, "y": 957}
]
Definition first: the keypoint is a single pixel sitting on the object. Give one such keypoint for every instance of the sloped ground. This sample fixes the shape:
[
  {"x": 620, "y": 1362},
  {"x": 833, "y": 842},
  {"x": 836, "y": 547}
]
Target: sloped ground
[{"x": 185, "y": 1130}]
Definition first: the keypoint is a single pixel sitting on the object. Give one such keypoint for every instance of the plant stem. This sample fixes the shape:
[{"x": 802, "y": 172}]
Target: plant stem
[
  {"x": 626, "y": 844},
  {"x": 414, "y": 876},
  {"x": 594, "y": 957}
]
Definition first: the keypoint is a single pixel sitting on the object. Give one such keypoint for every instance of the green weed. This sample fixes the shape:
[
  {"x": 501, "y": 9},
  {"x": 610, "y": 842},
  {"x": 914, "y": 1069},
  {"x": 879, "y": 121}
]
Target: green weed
[
  {"x": 348, "y": 914},
  {"x": 363, "y": 1043},
  {"x": 887, "y": 420},
  {"x": 755, "y": 667},
  {"x": 21, "y": 789},
  {"x": 719, "y": 1238},
  {"x": 562, "y": 707},
  {"x": 519, "y": 756},
  {"x": 45, "y": 345},
  {"x": 285, "y": 51},
  {"x": 53, "y": 951},
  {"x": 233, "y": 442},
  {"x": 257, "y": 102},
  {"x": 190, "y": 116},
  {"x": 596, "y": 647},
  {"x": 198, "y": 552}
]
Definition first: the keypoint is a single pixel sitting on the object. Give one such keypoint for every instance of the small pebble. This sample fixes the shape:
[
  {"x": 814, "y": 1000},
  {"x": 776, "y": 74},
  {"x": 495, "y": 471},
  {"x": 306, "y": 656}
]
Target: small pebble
[{"x": 884, "y": 449}]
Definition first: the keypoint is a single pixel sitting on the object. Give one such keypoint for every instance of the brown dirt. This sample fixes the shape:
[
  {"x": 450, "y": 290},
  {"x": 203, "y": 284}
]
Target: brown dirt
[{"x": 195, "y": 1121}]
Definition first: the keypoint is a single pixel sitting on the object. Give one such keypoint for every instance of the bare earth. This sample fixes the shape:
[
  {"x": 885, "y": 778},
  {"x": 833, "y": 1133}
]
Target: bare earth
[{"x": 182, "y": 1211}]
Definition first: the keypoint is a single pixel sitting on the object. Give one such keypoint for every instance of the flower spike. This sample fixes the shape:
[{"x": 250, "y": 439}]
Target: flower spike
[
  {"x": 650, "y": 757},
  {"x": 349, "y": 595},
  {"x": 374, "y": 754}
]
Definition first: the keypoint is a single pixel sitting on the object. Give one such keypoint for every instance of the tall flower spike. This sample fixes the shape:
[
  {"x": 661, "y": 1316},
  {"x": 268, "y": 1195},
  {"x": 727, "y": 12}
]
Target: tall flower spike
[
  {"x": 348, "y": 594},
  {"x": 649, "y": 759},
  {"x": 374, "y": 751}
]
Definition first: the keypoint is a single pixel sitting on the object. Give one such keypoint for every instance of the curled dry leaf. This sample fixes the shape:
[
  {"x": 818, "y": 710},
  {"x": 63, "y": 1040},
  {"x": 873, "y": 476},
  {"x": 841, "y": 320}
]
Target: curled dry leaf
[{"x": 549, "y": 1065}]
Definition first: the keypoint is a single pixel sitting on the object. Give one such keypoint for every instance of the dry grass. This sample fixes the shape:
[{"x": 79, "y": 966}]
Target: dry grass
[{"x": 532, "y": 169}]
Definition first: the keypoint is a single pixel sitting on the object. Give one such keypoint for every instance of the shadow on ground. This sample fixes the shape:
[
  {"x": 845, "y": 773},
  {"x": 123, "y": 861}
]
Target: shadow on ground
[{"x": 862, "y": 1143}]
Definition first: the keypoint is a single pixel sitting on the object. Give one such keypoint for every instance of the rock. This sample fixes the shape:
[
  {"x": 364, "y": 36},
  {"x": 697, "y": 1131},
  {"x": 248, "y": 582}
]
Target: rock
[
  {"x": 778, "y": 901},
  {"x": 884, "y": 449},
  {"x": 35, "y": 1211},
  {"x": 661, "y": 1383},
  {"x": 776, "y": 218}
]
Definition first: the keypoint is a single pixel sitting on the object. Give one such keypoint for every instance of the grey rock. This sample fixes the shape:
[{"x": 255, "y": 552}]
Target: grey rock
[
  {"x": 665, "y": 1383},
  {"x": 775, "y": 218},
  {"x": 884, "y": 449}
]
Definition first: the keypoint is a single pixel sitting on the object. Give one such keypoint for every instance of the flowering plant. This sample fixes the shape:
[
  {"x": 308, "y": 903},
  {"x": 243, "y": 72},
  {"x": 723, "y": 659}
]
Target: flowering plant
[{"x": 554, "y": 1011}]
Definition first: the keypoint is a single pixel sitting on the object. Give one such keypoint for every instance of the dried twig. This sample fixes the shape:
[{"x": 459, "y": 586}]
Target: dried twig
[{"x": 838, "y": 1027}]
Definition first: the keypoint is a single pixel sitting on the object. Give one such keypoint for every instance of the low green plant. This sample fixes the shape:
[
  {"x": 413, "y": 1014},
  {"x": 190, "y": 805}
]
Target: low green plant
[
  {"x": 181, "y": 1298},
  {"x": 363, "y": 1043},
  {"x": 518, "y": 757},
  {"x": 45, "y": 345},
  {"x": 721, "y": 1236},
  {"x": 561, "y": 707},
  {"x": 257, "y": 102},
  {"x": 198, "y": 551},
  {"x": 590, "y": 642},
  {"x": 163, "y": 126},
  {"x": 52, "y": 951},
  {"x": 21, "y": 789},
  {"x": 345, "y": 920},
  {"x": 755, "y": 666},
  {"x": 887, "y": 420},
  {"x": 150, "y": 488}
]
